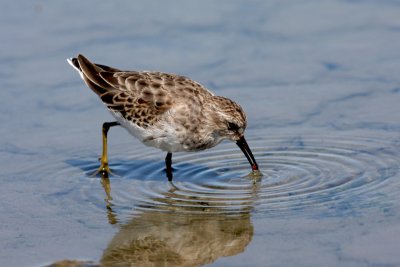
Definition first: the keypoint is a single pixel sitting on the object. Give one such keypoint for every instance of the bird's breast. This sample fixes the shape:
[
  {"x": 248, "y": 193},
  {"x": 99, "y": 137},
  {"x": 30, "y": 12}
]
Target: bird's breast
[{"x": 171, "y": 134}]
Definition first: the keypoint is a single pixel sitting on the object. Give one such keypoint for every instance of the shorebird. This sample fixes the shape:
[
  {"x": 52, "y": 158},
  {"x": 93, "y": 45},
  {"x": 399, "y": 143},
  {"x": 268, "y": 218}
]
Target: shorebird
[{"x": 163, "y": 110}]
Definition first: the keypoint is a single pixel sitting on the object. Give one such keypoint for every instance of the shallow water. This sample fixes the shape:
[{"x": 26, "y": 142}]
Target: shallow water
[{"x": 319, "y": 82}]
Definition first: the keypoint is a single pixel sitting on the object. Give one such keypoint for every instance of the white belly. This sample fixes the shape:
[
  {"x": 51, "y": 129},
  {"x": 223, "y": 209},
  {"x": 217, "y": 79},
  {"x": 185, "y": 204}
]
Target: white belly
[{"x": 165, "y": 139}]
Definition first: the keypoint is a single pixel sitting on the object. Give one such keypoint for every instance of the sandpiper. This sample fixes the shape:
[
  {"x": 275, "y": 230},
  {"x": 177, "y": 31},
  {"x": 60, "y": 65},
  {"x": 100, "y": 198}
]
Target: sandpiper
[{"x": 163, "y": 110}]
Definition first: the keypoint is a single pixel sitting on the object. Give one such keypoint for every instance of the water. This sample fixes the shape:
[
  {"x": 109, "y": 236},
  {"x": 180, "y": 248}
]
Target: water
[{"x": 319, "y": 82}]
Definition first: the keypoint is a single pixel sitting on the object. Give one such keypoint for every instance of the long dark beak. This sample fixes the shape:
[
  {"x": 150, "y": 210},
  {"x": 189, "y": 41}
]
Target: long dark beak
[{"x": 247, "y": 152}]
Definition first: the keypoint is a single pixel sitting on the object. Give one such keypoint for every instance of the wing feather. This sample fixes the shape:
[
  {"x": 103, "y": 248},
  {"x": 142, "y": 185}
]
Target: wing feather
[{"x": 141, "y": 97}]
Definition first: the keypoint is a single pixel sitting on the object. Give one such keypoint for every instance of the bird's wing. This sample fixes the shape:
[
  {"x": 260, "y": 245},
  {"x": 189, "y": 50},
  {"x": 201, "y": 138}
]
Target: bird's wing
[{"x": 140, "y": 96}]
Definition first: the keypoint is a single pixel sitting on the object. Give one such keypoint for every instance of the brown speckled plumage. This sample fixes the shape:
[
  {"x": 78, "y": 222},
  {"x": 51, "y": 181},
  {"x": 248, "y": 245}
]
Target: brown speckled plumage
[{"x": 167, "y": 111}]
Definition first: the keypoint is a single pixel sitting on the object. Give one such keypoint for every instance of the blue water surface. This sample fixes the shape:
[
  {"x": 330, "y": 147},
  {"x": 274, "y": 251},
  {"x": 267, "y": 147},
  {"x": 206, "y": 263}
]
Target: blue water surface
[{"x": 319, "y": 81}]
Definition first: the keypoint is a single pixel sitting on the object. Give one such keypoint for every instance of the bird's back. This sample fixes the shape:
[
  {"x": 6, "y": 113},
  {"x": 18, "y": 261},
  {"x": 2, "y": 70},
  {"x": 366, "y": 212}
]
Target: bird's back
[
  {"x": 141, "y": 99},
  {"x": 140, "y": 96}
]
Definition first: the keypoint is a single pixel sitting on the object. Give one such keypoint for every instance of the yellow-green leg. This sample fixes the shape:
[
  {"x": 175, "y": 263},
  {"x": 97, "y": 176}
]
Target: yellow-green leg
[{"x": 104, "y": 169}]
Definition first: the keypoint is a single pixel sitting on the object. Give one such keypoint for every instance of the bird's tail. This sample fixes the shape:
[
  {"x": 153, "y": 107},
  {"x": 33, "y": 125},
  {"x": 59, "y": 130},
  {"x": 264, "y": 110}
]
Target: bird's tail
[
  {"x": 73, "y": 61},
  {"x": 90, "y": 73}
]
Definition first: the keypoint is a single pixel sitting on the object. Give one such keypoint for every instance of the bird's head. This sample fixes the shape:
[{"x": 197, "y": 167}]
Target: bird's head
[
  {"x": 230, "y": 123},
  {"x": 229, "y": 118}
]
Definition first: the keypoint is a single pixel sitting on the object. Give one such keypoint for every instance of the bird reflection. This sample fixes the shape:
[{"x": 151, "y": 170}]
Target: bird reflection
[
  {"x": 173, "y": 234},
  {"x": 178, "y": 235}
]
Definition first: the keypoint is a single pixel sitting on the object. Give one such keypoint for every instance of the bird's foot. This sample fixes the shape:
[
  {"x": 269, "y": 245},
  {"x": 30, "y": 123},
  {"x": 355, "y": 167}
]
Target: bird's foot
[
  {"x": 170, "y": 174},
  {"x": 104, "y": 170}
]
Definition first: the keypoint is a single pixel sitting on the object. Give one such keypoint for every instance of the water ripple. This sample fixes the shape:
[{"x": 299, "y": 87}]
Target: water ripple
[{"x": 312, "y": 175}]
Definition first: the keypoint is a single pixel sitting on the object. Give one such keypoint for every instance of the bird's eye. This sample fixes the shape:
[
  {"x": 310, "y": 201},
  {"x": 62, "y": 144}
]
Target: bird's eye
[{"x": 233, "y": 126}]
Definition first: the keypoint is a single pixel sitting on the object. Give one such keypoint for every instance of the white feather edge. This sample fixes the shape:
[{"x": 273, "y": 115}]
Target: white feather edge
[{"x": 69, "y": 60}]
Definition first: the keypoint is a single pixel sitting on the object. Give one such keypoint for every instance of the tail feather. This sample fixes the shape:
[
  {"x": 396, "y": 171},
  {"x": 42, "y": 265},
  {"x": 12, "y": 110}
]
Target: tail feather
[
  {"x": 90, "y": 73},
  {"x": 74, "y": 63}
]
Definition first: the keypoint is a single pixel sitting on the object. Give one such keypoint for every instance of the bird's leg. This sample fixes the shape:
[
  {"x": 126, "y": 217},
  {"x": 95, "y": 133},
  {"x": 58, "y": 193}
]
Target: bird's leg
[
  {"x": 104, "y": 169},
  {"x": 168, "y": 165}
]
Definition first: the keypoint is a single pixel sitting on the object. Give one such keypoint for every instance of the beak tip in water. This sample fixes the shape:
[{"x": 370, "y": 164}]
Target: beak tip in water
[
  {"x": 242, "y": 144},
  {"x": 254, "y": 167}
]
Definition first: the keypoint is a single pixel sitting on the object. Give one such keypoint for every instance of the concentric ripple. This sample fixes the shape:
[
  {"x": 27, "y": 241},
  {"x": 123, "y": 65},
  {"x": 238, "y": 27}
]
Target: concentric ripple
[{"x": 333, "y": 175}]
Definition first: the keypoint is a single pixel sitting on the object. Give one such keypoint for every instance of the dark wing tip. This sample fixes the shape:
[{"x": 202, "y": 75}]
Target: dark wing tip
[
  {"x": 92, "y": 72},
  {"x": 75, "y": 62}
]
